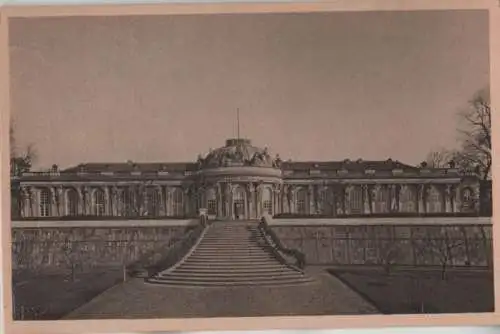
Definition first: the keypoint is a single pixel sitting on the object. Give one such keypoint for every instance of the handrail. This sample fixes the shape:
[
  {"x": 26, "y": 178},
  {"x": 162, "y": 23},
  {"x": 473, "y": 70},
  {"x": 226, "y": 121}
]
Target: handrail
[
  {"x": 281, "y": 250},
  {"x": 166, "y": 256}
]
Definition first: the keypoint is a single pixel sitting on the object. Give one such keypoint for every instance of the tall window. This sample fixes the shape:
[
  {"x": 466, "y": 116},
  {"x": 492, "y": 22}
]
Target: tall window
[
  {"x": 408, "y": 198},
  {"x": 177, "y": 202},
  {"x": 356, "y": 200},
  {"x": 99, "y": 202},
  {"x": 153, "y": 202},
  {"x": 435, "y": 200},
  {"x": 45, "y": 203},
  {"x": 382, "y": 200},
  {"x": 211, "y": 202},
  {"x": 239, "y": 202},
  {"x": 467, "y": 195},
  {"x": 467, "y": 199},
  {"x": 267, "y": 202},
  {"x": 72, "y": 202},
  {"x": 301, "y": 201}
]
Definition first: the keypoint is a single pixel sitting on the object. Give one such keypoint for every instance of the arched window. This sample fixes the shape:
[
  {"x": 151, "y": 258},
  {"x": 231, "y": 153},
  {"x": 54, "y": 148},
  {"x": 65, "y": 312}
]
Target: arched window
[
  {"x": 45, "y": 203},
  {"x": 408, "y": 199},
  {"x": 301, "y": 201},
  {"x": 435, "y": 200},
  {"x": 212, "y": 201},
  {"x": 356, "y": 200},
  {"x": 99, "y": 202},
  {"x": 177, "y": 202},
  {"x": 72, "y": 202},
  {"x": 267, "y": 201},
  {"x": 382, "y": 200},
  {"x": 153, "y": 202}
]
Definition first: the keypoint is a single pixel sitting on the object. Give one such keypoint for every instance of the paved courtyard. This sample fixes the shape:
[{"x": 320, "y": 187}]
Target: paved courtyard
[{"x": 137, "y": 299}]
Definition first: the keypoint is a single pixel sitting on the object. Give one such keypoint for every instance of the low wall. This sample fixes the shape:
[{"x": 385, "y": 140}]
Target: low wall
[
  {"x": 381, "y": 221},
  {"x": 59, "y": 244},
  {"x": 399, "y": 241}
]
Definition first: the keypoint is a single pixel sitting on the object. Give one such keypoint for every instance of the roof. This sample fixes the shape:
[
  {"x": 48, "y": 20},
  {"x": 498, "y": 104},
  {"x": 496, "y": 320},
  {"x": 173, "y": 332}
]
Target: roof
[
  {"x": 132, "y": 167},
  {"x": 350, "y": 165}
]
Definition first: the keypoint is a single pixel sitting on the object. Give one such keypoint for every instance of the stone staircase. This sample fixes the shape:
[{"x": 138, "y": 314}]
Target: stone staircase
[{"x": 231, "y": 254}]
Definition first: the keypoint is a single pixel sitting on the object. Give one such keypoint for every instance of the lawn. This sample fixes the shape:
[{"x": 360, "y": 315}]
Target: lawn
[
  {"x": 419, "y": 290},
  {"x": 49, "y": 296}
]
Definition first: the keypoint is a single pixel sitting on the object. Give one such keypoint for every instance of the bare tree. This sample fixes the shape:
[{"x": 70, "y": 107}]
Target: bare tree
[
  {"x": 72, "y": 254},
  {"x": 474, "y": 152},
  {"x": 439, "y": 158},
  {"x": 20, "y": 162},
  {"x": 388, "y": 253},
  {"x": 475, "y": 131},
  {"x": 443, "y": 248}
]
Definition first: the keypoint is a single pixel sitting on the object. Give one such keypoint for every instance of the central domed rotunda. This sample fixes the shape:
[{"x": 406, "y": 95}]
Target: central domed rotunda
[{"x": 238, "y": 153}]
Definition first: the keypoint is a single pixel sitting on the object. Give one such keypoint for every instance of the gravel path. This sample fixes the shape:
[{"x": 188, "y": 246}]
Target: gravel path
[{"x": 136, "y": 299}]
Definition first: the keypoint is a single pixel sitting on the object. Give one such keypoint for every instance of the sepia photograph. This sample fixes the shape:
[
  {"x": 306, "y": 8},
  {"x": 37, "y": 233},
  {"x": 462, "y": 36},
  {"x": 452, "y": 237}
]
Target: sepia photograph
[{"x": 250, "y": 165}]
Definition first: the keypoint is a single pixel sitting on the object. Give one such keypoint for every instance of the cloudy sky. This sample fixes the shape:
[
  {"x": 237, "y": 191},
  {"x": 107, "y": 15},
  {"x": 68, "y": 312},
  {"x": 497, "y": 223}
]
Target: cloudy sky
[{"x": 325, "y": 86}]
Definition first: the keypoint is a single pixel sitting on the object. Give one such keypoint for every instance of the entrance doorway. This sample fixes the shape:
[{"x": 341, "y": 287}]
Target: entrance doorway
[{"x": 239, "y": 204}]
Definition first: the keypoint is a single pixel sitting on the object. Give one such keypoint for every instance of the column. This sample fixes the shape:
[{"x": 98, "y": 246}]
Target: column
[
  {"x": 258, "y": 204},
  {"x": 366, "y": 199},
  {"x": 457, "y": 201},
  {"x": 186, "y": 201},
  {"x": 219, "y": 198},
  {"x": 250, "y": 202},
  {"x": 230, "y": 201}
]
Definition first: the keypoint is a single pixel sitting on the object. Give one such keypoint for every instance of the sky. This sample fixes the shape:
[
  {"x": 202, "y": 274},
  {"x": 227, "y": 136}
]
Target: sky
[{"x": 315, "y": 86}]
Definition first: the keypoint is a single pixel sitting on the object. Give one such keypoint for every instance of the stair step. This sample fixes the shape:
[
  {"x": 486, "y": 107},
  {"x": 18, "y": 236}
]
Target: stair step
[
  {"x": 227, "y": 279},
  {"x": 235, "y": 270},
  {"x": 280, "y": 283},
  {"x": 244, "y": 254},
  {"x": 230, "y": 275},
  {"x": 233, "y": 258},
  {"x": 225, "y": 265}
]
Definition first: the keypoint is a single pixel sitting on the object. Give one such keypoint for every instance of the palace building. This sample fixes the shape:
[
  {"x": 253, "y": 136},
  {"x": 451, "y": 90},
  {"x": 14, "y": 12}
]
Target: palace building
[{"x": 242, "y": 181}]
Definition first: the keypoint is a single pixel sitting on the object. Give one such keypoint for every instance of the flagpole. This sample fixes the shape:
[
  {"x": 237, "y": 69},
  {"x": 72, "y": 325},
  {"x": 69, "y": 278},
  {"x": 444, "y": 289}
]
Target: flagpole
[{"x": 238, "y": 121}]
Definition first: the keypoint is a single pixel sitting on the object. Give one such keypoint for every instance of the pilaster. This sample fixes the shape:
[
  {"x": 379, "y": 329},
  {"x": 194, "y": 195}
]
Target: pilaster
[
  {"x": 448, "y": 198},
  {"x": 107, "y": 201},
  {"x": 347, "y": 199},
  {"x": 53, "y": 202}
]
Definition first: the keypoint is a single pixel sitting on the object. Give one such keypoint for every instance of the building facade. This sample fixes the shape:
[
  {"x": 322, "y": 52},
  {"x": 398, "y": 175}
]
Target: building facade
[{"x": 242, "y": 181}]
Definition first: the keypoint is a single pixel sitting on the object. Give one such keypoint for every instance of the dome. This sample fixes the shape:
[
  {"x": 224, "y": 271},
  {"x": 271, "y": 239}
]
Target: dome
[{"x": 238, "y": 152}]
